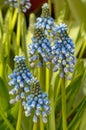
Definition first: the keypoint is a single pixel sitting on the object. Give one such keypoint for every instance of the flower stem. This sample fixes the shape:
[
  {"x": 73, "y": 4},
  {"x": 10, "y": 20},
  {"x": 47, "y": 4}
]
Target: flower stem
[
  {"x": 35, "y": 126},
  {"x": 58, "y": 90},
  {"x": 41, "y": 124},
  {"x": 48, "y": 78},
  {"x": 41, "y": 77},
  {"x": 49, "y": 2},
  {"x": 52, "y": 125},
  {"x": 64, "y": 119},
  {"x": 18, "y": 33},
  {"x": 18, "y": 126}
]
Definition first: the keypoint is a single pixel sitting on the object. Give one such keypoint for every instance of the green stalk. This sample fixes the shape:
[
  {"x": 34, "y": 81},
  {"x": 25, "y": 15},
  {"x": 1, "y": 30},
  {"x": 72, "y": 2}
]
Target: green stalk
[
  {"x": 58, "y": 90},
  {"x": 41, "y": 76},
  {"x": 50, "y": 91},
  {"x": 52, "y": 112},
  {"x": 18, "y": 28},
  {"x": 18, "y": 126},
  {"x": 35, "y": 126},
  {"x": 6, "y": 121},
  {"x": 42, "y": 81},
  {"x": 49, "y": 2},
  {"x": 41, "y": 124},
  {"x": 48, "y": 78},
  {"x": 64, "y": 118},
  {"x": 18, "y": 33},
  {"x": 23, "y": 31}
]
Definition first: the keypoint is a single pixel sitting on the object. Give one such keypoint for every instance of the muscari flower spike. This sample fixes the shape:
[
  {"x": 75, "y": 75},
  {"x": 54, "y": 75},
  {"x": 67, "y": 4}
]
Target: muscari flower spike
[
  {"x": 37, "y": 102},
  {"x": 46, "y": 22},
  {"x": 39, "y": 49},
  {"x": 24, "y": 4},
  {"x": 63, "y": 52},
  {"x": 20, "y": 80}
]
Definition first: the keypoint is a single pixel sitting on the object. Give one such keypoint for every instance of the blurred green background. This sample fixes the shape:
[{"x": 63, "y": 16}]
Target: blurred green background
[{"x": 16, "y": 31}]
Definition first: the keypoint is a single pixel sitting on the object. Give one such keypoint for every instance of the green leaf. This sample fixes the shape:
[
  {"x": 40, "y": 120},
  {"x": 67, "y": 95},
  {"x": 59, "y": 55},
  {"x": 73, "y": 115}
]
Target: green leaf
[
  {"x": 4, "y": 96},
  {"x": 79, "y": 68},
  {"x": 1, "y": 18},
  {"x": 3, "y": 126},
  {"x": 74, "y": 89},
  {"x": 6, "y": 121},
  {"x": 79, "y": 45},
  {"x": 77, "y": 8},
  {"x": 78, "y": 114},
  {"x": 83, "y": 121},
  {"x": 74, "y": 31}
]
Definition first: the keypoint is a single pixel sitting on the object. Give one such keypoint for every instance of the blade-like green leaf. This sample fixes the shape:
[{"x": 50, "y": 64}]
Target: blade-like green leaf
[{"x": 4, "y": 97}]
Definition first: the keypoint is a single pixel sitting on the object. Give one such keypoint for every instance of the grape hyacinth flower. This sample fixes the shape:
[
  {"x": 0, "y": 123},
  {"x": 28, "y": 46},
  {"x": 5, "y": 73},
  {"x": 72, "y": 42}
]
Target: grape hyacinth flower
[
  {"x": 46, "y": 22},
  {"x": 23, "y": 4},
  {"x": 63, "y": 51},
  {"x": 20, "y": 80},
  {"x": 37, "y": 102},
  {"x": 39, "y": 49}
]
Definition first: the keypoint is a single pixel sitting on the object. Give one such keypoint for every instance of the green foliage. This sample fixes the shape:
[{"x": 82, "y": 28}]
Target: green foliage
[{"x": 13, "y": 35}]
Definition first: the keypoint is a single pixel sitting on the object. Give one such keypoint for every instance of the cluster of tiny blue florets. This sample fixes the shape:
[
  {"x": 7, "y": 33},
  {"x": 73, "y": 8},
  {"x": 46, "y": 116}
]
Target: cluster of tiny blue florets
[
  {"x": 19, "y": 79},
  {"x": 39, "y": 49},
  {"x": 59, "y": 53},
  {"x": 27, "y": 89},
  {"x": 37, "y": 102},
  {"x": 63, "y": 51},
  {"x": 24, "y": 5},
  {"x": 46, "y": 22}
]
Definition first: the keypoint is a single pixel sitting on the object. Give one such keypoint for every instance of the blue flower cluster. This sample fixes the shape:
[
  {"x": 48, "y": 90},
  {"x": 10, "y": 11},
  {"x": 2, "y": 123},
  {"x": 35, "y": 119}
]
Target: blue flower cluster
[
  {"x": 39, "y": 49},
  {"x": 24, "y": 4},
  {"x": 59, "y": 53},
  {"x": 63, "y": 51},
  {"x": 27, "y": 89},
  {"x": 20, "y": 80},
  {"x": 37, "y": 102},
  {"x": 46, "y": 22}
]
